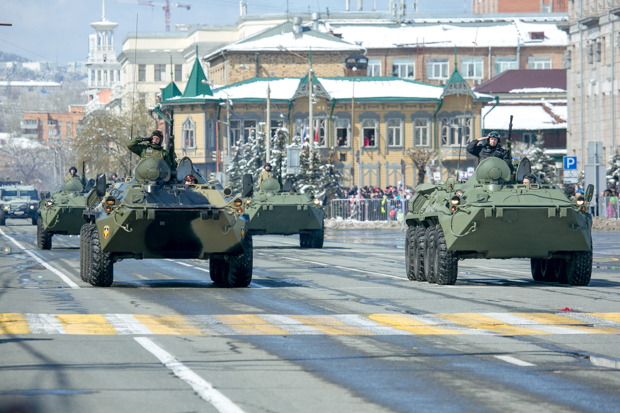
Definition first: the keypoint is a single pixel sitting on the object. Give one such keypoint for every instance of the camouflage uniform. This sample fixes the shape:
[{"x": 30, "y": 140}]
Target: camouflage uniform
[
  {"x": 264, "y": 176},
  {"x": 144, "y": 151},
  {"x": 76, "y": 176}
]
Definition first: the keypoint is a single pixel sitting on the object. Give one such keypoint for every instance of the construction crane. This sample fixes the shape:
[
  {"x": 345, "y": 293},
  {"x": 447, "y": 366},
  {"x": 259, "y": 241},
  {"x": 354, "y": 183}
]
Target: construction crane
[{"x": 165, "y": 7}]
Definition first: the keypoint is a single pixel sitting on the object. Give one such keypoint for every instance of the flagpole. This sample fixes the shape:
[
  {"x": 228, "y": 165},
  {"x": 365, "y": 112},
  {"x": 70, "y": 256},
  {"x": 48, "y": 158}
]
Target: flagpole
[{"x": 310, "y": 118}]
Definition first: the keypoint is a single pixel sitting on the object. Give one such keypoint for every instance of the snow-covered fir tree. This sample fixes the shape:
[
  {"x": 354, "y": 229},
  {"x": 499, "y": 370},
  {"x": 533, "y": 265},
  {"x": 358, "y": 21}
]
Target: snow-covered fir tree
[
  {"x": 536, "y": 155},
  {"x": 278, "y": 153},
  {"x": 613, "y": 166},
  {"x": 316, "y": 177},
  {"x": 235, "y": 170}
]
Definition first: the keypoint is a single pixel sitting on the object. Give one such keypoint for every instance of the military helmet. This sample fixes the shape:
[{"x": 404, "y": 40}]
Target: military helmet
[
  {"x": 73, "y": 168},
  {"x": 494, "y": 135},
  {"x": 159, "y": 133},
  {"x": 268, "y": 165}
]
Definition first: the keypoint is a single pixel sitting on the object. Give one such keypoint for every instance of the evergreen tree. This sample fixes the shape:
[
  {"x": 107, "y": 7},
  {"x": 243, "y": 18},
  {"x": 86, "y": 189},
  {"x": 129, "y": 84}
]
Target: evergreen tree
[
  {"x": 536, "y": 155},
  {"x": 316, "y": 178},
  {"x": 258, "y": 149},
  {"x": 235, "y": 170},
  {"x": 613, "y": 171}
]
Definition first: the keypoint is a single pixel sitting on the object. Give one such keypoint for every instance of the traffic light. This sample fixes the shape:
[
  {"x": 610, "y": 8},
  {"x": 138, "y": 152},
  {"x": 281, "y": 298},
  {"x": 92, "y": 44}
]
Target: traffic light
[
  {"x": 212, "y": 176},
  {"x": 214, "y": 156}
]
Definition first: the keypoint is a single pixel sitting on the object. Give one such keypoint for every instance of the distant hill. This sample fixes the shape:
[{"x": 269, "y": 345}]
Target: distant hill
[{"x": 10, "y": 57}]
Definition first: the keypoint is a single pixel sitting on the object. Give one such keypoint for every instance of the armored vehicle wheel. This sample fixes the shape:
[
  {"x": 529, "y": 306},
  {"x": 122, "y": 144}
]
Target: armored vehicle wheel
[
  {"x": 318, "y": 236},
  {"x": 216, "y": 270},
  {"x": 446, "y": 261},
  {"x": 411, "y": 252},
  {"x": 2, "y": 218},
  {"x": 83, "y": 266},
  {"x": 305, "y": 240},
  {"x": 420, "y": 250},
  {"x": 98, "y": 264},
  {"x": 237, "y": 272},
  {"x": 536, "y": 266},
  {"x": 429, "y": 253},
  {"x": 561, "y": 271},
  {"x": 33, "y": 219},
  {"x": 579, "y": 269},
  {"x": 44, "y": 238},
  {"x": 548, "y": 269}
]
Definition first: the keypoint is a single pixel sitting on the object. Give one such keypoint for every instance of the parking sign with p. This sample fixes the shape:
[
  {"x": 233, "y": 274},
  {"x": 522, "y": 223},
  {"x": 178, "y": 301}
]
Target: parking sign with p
[{"x": 570, "y": 162}]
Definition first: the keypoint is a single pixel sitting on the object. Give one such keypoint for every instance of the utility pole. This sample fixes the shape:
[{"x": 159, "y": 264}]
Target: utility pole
[{"x": 310, "y": 119}]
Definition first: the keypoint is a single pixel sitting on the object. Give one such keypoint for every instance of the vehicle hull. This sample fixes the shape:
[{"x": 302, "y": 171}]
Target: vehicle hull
[
  {"x": 284, "y": 219},
  {"x": 63, "y": 220}
]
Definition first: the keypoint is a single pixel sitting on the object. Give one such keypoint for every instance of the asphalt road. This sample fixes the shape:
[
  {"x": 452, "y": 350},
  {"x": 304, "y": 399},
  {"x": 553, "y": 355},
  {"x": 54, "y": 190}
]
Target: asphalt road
[{"x": 332, "y": 330}]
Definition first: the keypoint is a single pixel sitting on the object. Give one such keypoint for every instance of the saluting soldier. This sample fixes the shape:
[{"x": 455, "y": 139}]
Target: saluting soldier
[
  {"x": 151, "y": 146},
  {"x": 487, "y": 147}
]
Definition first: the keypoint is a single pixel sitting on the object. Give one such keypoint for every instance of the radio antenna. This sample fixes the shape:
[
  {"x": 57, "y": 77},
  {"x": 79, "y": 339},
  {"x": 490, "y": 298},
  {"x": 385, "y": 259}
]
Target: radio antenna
[
  {"x": 458, "y": 164},
  {"x": 135, "y": 84}
]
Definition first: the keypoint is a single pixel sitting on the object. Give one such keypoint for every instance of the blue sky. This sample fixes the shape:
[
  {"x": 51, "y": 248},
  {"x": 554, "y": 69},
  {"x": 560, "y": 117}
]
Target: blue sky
[{"x": 58, "y": 29}]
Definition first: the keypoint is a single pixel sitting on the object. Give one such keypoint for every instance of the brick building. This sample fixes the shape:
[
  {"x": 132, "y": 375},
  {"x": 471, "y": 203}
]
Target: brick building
[
  {"x": 519, "y": 6},
  {"x": 282, "y": 51},
  {"x": 52, "y": 128}
]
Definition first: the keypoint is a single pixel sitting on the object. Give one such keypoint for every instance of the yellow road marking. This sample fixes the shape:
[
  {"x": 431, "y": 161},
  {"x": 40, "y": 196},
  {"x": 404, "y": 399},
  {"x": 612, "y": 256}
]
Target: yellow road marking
[
  {"x": 168, "y": 324},
  {"x": 331, "y": 325},
  {"x": 86, "y": 324},
  {"x": 249, "y": 324},
  {"x": 566, "y": 322},
  {"x": 606, "y": 258},
  {"x": 607, "y": 316},
  {"x": 482, "y": 322},
  {"x": 14, "y": 323},
  {"x": 411, "y": 325}
]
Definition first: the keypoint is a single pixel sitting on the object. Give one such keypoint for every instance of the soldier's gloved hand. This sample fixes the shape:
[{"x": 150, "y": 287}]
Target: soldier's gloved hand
[{"x": 147, "y": 139}]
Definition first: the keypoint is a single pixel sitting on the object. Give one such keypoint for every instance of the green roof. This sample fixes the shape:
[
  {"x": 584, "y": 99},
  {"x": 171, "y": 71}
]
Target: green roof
[
  {"x": 195, "y": 85},
  {"x": 170, "y": 91}
]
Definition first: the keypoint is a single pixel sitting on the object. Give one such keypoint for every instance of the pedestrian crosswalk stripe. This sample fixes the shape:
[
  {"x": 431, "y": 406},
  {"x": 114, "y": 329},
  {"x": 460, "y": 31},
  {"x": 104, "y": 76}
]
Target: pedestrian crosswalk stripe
[{"x": 502, "y": 324}]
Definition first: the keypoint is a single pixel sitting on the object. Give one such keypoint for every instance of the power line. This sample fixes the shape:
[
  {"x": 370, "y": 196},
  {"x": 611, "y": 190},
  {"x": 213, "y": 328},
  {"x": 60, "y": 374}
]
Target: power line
[{"x": 29, "y": 51}]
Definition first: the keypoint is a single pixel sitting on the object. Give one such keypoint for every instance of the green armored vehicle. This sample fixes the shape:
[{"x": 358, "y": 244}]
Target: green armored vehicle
[
  {"x": 60, "y": 213},
  {"x": 494, "y": 215},
  {"x": 157, "y": 215},
  {"x": 18, "y": 202},
  {"x": 276, "y": 211}
]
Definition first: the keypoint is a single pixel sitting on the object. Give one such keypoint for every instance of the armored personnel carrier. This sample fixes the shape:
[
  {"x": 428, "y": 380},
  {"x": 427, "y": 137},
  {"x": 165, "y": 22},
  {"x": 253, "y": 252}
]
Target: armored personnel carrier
[
  {"x": 18, "y": 202},
  {"x": 60, "y": 213},
  {"x": 282, "y": 211},
  {"x": 156, "y": 215},
  {"x": 494, "y": 215}
]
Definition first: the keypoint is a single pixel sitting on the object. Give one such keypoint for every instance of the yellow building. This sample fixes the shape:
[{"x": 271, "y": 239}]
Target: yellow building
[{"x": 390, "y": 116}]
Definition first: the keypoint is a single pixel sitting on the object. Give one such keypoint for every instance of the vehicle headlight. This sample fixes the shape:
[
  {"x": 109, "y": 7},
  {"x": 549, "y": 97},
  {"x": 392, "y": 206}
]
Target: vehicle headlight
[
  {"x": 459, "y": 193},
  {"x": 50, "y": 203},
  {"x": 6, "y": 207},
  {"x": 238, "y": 202},
  {"x": 110, "y": 201},
  {"x": 581, "y": 200},
  {"x": 316, "y": 202},
  {"x": 455, "y": 200},
  {"x": 31, "y": 206}
]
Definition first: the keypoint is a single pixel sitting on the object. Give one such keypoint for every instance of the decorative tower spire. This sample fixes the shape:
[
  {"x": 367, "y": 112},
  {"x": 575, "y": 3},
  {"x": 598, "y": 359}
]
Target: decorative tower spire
[{"x": 103, "y": 19}]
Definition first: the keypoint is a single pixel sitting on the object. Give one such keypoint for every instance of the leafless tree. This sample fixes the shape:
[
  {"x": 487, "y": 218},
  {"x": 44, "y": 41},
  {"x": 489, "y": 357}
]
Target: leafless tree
[{"x": 421, "y": 157}]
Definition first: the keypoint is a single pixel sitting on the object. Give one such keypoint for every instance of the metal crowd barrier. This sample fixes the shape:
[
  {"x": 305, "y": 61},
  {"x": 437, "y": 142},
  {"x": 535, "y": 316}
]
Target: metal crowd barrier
[
  {"x": 364, "y": 209},
  {"x": 609, "y": 206}
]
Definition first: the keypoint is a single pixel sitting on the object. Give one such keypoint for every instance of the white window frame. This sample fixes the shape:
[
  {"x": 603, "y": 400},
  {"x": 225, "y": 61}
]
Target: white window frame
[
  {"x": 235, "y": 133},
  {"x": 400, "y": 68},
  {"x": 452, "y": 131},
  {"x": 421, "y": 132},
  {"x": 394, "y": 129},
  {"x": 141, "y": 73},
  {"x": 438, "y": 69},
  {"x": 52, "y": 132},
  {"x": 374, "y": 68},
  {"x": 188, "y": 133},
  {"x": 368, "y": 124},
  {"x": 160, "y": 70},
  {"x": 248, "y": 128},
  {"x": 466, "y": 68},
  {"x": 502, "y": 64},
  {"x": 342, "y": 124},
  {"x": 539, "y": 63}
]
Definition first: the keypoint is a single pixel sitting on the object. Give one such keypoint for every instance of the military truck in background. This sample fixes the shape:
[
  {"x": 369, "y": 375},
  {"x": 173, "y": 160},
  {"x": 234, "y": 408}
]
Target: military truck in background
[
  {"x": 18, "y": 201},
  {"x": 494, "y": 215},
  {"x": 283, "y": 211}
]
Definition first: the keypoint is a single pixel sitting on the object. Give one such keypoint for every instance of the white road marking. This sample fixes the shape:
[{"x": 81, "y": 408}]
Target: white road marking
[
  {"x": 358, "y": 321},
  {"x": 44, "y": 324},
  {"x": 515, "y": 361},
  {"x": 204, "y": 389},
  {"x": 289, "y": 324},
  {"x": 182, "y": 263},
  {"x": 515, "y": 320},
  {"x": 345, "y": 268},
  {"x": 61, "y": 275},
  {"x": 127, "y": 324},
  {"x": 433, "y": 320},
  {"x": 202, "y": 269}
]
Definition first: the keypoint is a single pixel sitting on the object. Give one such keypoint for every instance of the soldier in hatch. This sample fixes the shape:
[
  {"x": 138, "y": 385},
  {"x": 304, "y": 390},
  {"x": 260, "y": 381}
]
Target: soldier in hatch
[
  {"x": 72, "y": 174},
  {"x": 145, "y": 147},
  {"x": 488, "y": 146},
  {"x": 266, "y": 174}
]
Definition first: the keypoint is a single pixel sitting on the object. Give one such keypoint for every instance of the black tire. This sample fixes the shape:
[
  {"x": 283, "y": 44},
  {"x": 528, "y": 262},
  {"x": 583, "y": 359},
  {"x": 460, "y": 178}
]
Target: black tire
[
  {"x": 99, "y": 266},
  {"x": 240, "y": 266},
  {"x": 535, "y": 265},
  {"x": 318, "y": 235},
  {"x": 411, "y": 252},
  {"x": 446, "y": 261},
  {"x": 33, "y": 218},
  {"x": 549, "y": 269},
  {"x": 421, "y": 249},
  {"x": 579, "y": 269},
  {"x": 217, "y": 269},
  {"x": 2, "y": 218},
  {"x": 429, "y": 254},
  {"x": 83, "y": 252},
  {"x": 44, "y": 238},
  {"x": 305, "y": 240},
  {"x": 561, "y": 271}
]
